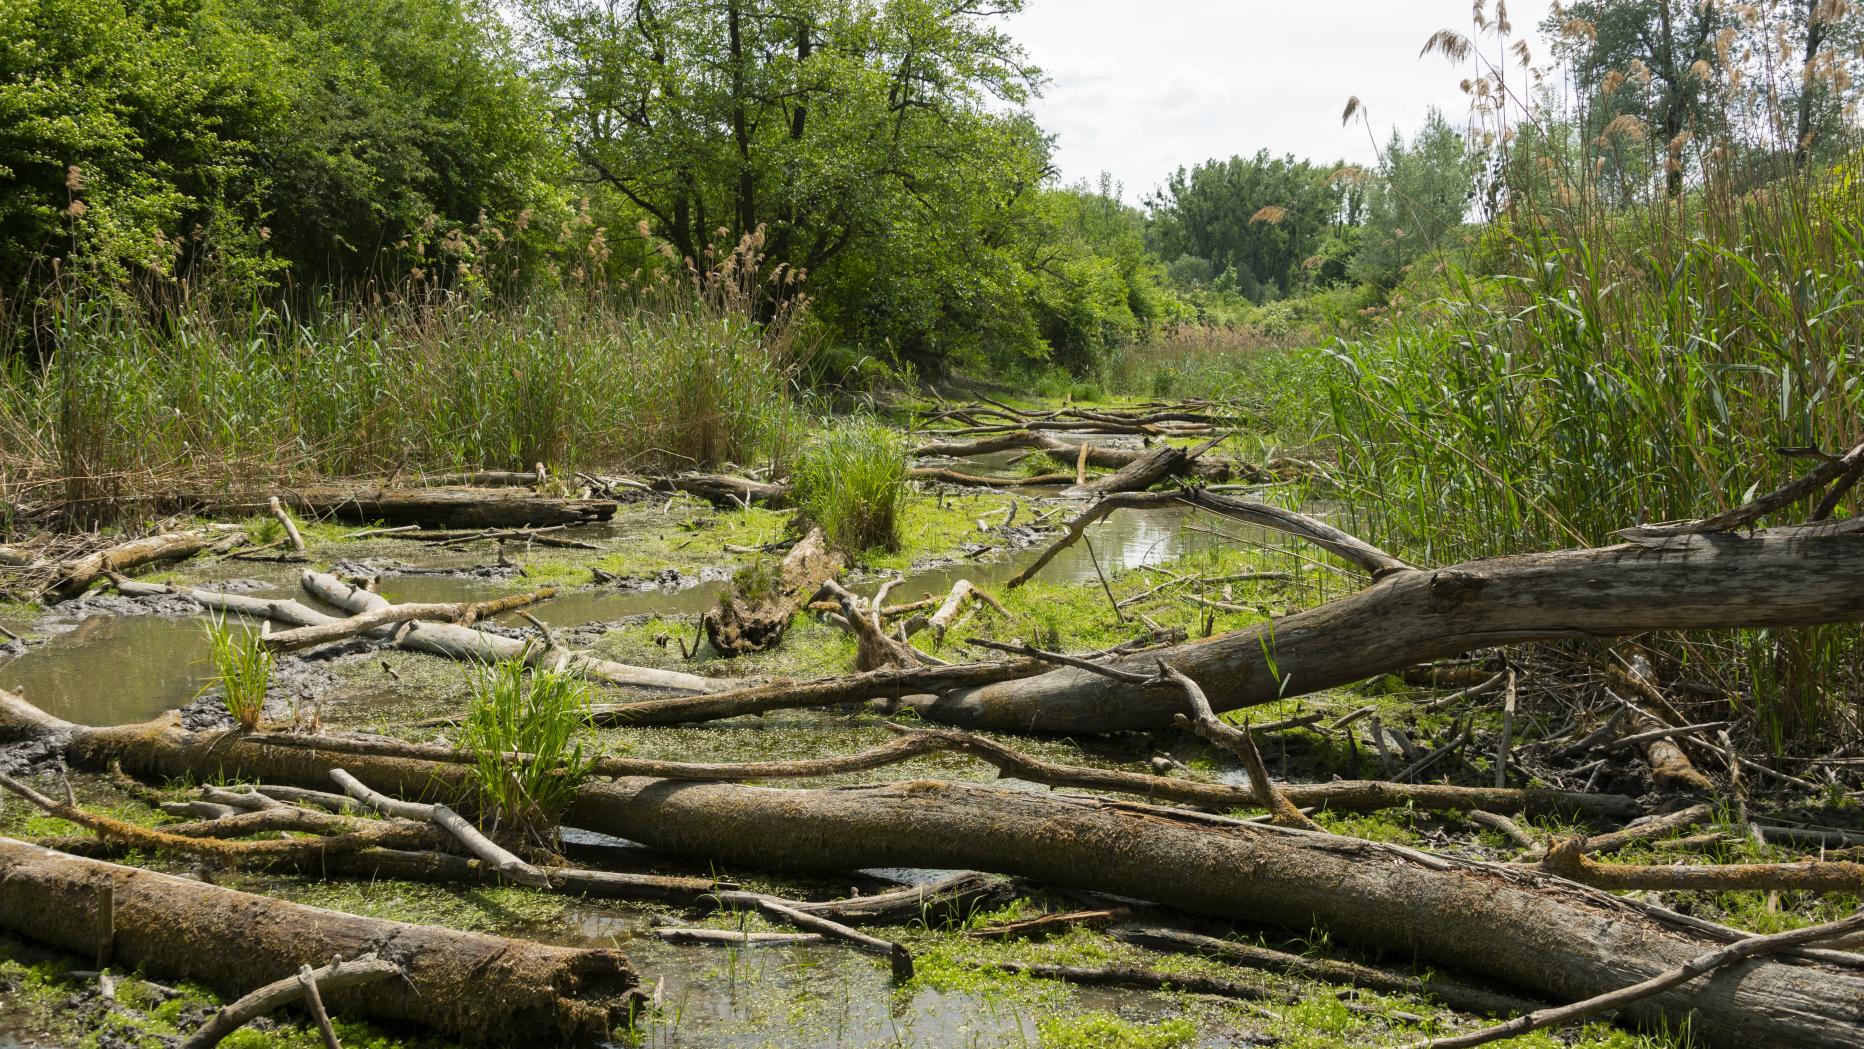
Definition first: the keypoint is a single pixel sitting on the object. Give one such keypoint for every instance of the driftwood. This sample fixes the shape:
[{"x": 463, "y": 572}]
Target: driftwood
[
  {"x": 1769, "y": 578},
  {"x": 1341, "y": 795},
  {"x": 337, "y": 976},
  {"x": 1205, "y": 468},
  {"x": 754, "y": 622},
  {"x": 1670, "y": 767},
  {"x": 463, "y": 613},
  {"x": 1453, "y": 993},
  {"x": 1568, "y": 859},
  {"x": 464, "y": 643},
  {"x": 471, "y": 986},
  {"x": 1157, "y": 464},
  {"x": 1556, "y": 938},
  {"x": 967, "y": 480},
  {"x": 429, "y": 507},
  {"x": 726, "y": 490},
  {"x": 76, "y": 576},
  {"x": 500, "y": 861},
  {"x": 1755, "y": 947}
]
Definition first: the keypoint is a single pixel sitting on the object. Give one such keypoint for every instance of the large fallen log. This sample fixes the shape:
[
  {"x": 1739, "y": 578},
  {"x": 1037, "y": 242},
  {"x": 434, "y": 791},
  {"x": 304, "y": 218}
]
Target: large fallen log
[
  {"x": 754, "y": 620},
  {"x": 77, "y": 575},
  {"x": 1060, "y": 451},
  {"x": 1155, "y": 465},
  {"x": 1560, "y": 940},
  {"x": 726, "y": 489},
  {"x": 477, "y": 646},
  {"x": 437, "y": 507},
  {"x": 1777, "y": 577},
  {"x": 474, "y": 987}
]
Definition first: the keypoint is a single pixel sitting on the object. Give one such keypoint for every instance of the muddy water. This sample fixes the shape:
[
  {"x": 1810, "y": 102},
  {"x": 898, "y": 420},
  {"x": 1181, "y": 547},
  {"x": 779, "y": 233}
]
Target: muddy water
[
  {"x": 114, "y": 670},
  {"x": 1126, "y": 540},
  {"x": 570, "y": 608}
]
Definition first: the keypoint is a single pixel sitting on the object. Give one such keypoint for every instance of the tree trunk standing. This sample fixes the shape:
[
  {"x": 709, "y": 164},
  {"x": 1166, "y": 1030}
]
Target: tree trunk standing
[
  {"x": 1815, "y": 39},
  {"x": 1769, "y": 578},
  {"x": 475, "y": 987},
  {"x": 740, "y": 121}
]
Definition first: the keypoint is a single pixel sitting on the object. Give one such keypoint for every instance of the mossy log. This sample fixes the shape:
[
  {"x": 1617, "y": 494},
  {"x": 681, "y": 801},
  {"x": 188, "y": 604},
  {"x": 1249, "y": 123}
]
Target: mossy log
[
  {"x": 1777, "y": 577},
  {"x": 478, "y": 988},
  {"x": 726, "y": 489},
  {"x": 1557, "y": 939},
  {"x": 752, "y": 619},
  {"x": 437, "y": 507},
  {"x": 77, "y": 575}
]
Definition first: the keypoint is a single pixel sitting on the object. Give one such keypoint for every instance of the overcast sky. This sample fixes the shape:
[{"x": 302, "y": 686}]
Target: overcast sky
[{"x": 1140, "y": 87}]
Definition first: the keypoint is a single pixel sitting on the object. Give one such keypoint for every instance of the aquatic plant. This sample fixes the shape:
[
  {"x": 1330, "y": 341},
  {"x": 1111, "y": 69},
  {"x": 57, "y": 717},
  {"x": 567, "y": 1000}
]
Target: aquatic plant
[
  {"x": 243, "y": 669},
  {"x": 851, "y": 480},
  {"x": 542, "y": 714}
]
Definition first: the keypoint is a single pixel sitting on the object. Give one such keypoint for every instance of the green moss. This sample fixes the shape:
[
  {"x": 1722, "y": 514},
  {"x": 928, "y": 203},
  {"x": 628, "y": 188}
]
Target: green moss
[{"x": 1107, "y": 1031}]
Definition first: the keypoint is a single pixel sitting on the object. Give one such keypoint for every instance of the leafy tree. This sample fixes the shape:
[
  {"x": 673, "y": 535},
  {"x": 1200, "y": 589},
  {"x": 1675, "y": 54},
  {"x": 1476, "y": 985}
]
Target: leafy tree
[
  {"x": 1421, "y": 194},
  {"x": 1259, "y": 219},
  {"x": 1649, "y": 60},
  {"x": 834, "y": 126},
  {"x": 156, "y": 136}
]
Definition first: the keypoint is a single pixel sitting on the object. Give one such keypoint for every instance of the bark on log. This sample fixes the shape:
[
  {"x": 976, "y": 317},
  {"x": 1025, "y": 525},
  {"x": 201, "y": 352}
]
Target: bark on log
[
  {"x": 465, "y": 643},
  {"x": 77, "y": 575},
  {"x": 1151, "y": 467},
  {"x": 1771, "y": 578},
  {"x": 742, "y": 623},
  {"x": 957, "y": 477},
  {"x": 1560, "y": 940},
  {"x": 474, "y": 987},
  {"x": 484, "y": 479},
  {"x": 726, "y": 490},
  {"x": 463, "y": 613},
  {"x": 1103, "y": 458},
  {"x": 429, "y": 507}
]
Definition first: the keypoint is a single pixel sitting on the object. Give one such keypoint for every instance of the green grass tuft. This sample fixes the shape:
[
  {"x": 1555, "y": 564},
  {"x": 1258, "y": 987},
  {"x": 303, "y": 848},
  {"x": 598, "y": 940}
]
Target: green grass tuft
[{"x": 851, "y": 480}]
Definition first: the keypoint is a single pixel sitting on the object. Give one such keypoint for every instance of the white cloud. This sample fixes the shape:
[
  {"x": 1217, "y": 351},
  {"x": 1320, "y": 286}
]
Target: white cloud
[{"x": 1138, "y": 89}]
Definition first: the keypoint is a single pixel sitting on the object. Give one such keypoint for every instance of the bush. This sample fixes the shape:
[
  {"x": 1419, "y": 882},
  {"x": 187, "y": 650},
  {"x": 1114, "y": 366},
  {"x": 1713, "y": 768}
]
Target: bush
[
  {"x": 542, "y": 714},
  {"x": 851, "y": 480}
]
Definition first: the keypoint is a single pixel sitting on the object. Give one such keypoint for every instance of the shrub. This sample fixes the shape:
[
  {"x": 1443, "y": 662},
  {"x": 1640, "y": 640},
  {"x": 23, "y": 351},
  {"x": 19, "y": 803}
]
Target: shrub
[
  {"x": 542, "y": 714},
  {"x": 851, "y": 480}
]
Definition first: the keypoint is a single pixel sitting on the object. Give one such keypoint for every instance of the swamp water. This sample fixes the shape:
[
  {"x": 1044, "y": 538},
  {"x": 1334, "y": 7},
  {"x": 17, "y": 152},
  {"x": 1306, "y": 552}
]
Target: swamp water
[{"x": 120, "y": 669}]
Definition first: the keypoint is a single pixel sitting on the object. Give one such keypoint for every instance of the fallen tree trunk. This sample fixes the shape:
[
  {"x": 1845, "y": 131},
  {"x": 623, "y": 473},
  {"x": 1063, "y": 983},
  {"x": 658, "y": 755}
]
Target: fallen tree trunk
[
  {"x": 77, "y": 575},
  {"x": 1148, "y": 469},
  {"x": 428, "y": 507},
  {"x": 1770, "y": 578},
  {"x": 462, "y": 613},
  {"x": 477, "y": 646},
  {"x": 725, "y": 489},
  {"x": 1103, "y": 458},
  {"x": 1560, "y": 940},
  {"x": 474, "y": 987},
  {"x": 752, "y": 622},
  {"x": 957, "y": 477},
  {"x": 484, "y": 479}
]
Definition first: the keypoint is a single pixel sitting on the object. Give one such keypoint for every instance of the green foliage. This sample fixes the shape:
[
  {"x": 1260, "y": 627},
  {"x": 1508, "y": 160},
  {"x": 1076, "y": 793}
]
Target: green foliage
[
  {"x": 851, "y": 480},
  {"x": 1107, "y": 1031},
  {"x": 542, "y": 713},
  {"x": 1631, "y": 366},
  {"x": 1258, "y": 221},
  {"x": 242, "y": 667},
  {"x": 674, "y": 377},
  {"x": 1421, "y": 196},
  {"x": 241, "y": 135}
]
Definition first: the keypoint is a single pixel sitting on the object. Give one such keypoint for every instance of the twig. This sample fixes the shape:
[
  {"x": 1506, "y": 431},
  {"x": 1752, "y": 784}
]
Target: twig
[
  {"x": 1740, "y": 950},
  {"x": 1205, "y": 723},
  {"x": 478, "y": 844},
  {"x": 338, "y": 975}
]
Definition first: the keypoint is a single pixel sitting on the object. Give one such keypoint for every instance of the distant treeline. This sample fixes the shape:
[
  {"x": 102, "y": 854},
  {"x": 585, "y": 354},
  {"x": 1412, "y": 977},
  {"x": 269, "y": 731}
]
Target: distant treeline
[{"x": 879, "y": 155}]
